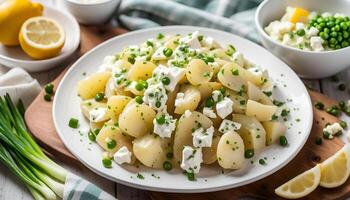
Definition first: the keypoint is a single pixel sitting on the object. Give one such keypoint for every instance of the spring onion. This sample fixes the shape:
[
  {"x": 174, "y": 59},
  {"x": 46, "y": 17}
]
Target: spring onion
[{"x": 23, "y": 156}]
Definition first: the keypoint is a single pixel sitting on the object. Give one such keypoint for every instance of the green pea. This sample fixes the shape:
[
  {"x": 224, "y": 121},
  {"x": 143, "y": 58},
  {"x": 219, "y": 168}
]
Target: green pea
[
  {"x": 319, "y": 105},
  {"x": 340, "y": 38},
  {"x": 139, "y": 99},
  {"x": 344, "y": 44},
  {"x": 73, "y": 123},
  {"x": 99, "y": 96},
  {"x": 49, "y": 88},
  {"x": 343, "y": 124},
  {"x": 166, "y": 80},
  {"x": 334, "y": 34},
  {"x": 97, "y": 131},
  {"x": 209, "y": 102},
  {"x": 326, "y": 30},
  {"x": 107, "y": 162},
  {"x": 345, "y": 35},
  {"x": 341, "y": 104},
  {"x": 160, "y": 119},
  {"x": 283, "y": 141},
  {"x": 330, "y": 24},
  {"x": 47, "y": 97},
  {"x": 190, "y": 176},
  {"x": 167, "y": 166},
  {"x": 301, "y": 32},
  {"x": 139, "y": 86},
  {"x": 91, "y": 136},
  {"x": 223, "y": 90},
  {"x": 111, "y": 144},
  {"x": 167, "y": 52},
  {"x": 333, "y": 40},
  {"x": 326, "y": 135},
  {"x": 249, "y": 153}
]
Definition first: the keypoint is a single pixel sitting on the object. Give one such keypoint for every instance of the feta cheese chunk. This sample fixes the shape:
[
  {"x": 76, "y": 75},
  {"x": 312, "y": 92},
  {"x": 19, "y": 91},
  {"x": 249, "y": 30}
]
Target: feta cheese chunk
[
  {"x": 277, "y": 29},
  {"x": 108, "y": 63},
  {"x": 238, "y": 58},
  {"x": 98, "y": 115},
  {"x": 228, "y": 125},
  {"x": 316, "y": 43},
  {"x": 191, "y": 40},
  {"x": 312, "y": 31},
  {"x": 159, "y": 55},
  {"x": 174, "y": 74},
  {"x": 333, "y": 129},
  {"x": 191, "y": 159},
  {"x": 203, "y": 138},
  {"x": 209, "y": 112},
  {"x": 165, "y": 127},
  {"x": 123, "y": 155},
  {"x": 155, "y": 96},
  {"x": 210, "y": 42},
  {"x": 224, "y": 107},
  {"x": 299, "y": 26},
  {"x": 216, "y": 95},
  {"x": 179, "y": 98}
]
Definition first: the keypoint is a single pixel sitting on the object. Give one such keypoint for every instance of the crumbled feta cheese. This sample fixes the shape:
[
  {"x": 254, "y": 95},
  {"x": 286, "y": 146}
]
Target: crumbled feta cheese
[
  {"x": 191, "y": 159},
  {"x": 164, "y": 130},
  {"x": 175, "y": 74},
  {"x": 179, "y": 99},
  {"x": 228, "y": 125},
  {"x": 299, "y": 26},
  {"x": 203, "y": 138},
  {"x": 216, "y": 95},
  {"x": 119, "y": 77},
  {"x": 326, "y": 14},
  {"x": 209, "y": 112},
  {"x": 155, "y": 96},
  {"x": 316, "y": 43},
  {"x": 159, "y": 55},
  {"x": 287, "y": 40},
  {"x": 312, "y": 31},
  {"x": 108, "y": 63},
  {"x": 188, "y": 113},
  {"x": 123, "y": 155},
  {"x": 84, "y": 131},
  {"x": 277, "y": 29},
  {"x": 210, "y": 42},
  {"x": 98, "y": 114},
  {"x": 238, "y": 58},
  {"x": 224, "y": 107},
  {"x": 333, "y": 129},
  {"x": 191, "y": 40}
]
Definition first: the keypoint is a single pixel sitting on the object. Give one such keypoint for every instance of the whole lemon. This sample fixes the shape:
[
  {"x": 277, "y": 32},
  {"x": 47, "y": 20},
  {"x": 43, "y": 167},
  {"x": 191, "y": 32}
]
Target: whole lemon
[{"x": 13, "y": 13}]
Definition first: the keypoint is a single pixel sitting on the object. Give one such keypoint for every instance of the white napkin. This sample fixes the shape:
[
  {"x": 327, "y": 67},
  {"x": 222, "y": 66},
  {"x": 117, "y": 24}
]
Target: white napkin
[{"x": 20, "y": 85}]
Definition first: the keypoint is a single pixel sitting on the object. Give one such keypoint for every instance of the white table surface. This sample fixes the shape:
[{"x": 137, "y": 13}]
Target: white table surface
[{"x": 12, "y": 189}]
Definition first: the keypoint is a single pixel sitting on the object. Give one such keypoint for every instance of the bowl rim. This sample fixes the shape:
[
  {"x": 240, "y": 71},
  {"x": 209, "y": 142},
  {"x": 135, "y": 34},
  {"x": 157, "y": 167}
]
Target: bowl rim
[
  {"x": 90, "y": 4},
  {"x": 262, "y": 33},
  {"x": 58, "y": 57}
]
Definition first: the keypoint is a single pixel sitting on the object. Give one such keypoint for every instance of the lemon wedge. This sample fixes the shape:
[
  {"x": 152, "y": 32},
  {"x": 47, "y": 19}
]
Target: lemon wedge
[
  {"x": 299, "y": 15},
  {"x": 336, "y": 169},
  {"x": 41, "y": 37},
  {"x": 301, "y": 185}
]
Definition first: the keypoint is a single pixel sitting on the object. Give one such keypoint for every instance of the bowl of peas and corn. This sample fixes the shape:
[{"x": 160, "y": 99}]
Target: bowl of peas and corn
[{"x": 311, "y": 36}]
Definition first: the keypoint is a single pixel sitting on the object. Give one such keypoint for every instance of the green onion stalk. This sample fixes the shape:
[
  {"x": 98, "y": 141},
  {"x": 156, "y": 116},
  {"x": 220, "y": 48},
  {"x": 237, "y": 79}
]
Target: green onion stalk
[{"x": 24, "y": 157}]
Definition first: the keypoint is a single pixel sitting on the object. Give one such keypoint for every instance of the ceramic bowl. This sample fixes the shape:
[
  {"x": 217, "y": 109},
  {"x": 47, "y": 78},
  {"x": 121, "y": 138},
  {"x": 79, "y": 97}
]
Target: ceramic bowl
[{"x": 306, "y": 64}]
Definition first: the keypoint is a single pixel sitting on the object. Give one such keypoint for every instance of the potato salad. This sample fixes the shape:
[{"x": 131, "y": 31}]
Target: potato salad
[
  {"x": 181, "y": 101},
  {"x": 311, "y": 31}
]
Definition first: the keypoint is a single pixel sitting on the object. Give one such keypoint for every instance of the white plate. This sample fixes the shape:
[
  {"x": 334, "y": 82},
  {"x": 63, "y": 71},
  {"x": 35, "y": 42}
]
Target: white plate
[
  {"x": 15, "y": 56},
  {"x": 289, "y": 86}
]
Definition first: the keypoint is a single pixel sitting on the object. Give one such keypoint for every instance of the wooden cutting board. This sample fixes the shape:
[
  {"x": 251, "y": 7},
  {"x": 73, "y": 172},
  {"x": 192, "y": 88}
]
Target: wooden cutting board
[{"x": 39, "y": 120}]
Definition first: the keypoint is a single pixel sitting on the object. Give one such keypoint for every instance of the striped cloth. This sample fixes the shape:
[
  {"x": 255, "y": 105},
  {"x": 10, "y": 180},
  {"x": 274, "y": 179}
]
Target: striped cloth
[
  {"x": 77, "y": 188},
  {"x": 235, "y": 16}
]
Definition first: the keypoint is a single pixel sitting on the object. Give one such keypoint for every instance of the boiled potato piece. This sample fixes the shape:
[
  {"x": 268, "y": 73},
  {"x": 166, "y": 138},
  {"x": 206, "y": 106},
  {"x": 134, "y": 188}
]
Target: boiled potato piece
[
  {"x": 115, "y": 106},
  {"x": 87, "y": 105},
  {"x": 209, "y": 153},
  {"x": 274, "y": 130},
  {"x": 207, "y": 88},
  {"x": 251, "y": 131},
  {"x": 122, "y": 64},
  {"x": 231, "y": 78},
  {"x": 198, "y": 72},
  {"x": 190, "y": 101},
  {"x": 93, "y": 84},
  {"x": 230, "y": 151},
  {"x": 141, "y": 70},
  {"x": 96, "y": 125},
  {"x": 151, "y": 150},
  {"x": 111, "y": 132},
  {"x": 255, "y": 94},
  {"x": 260, "y": 111},
  {"x": 171, "y": 100},
  {"x": 121, "y": 91},
  {"x": 171, "y": 43},
  {"x": 136, "y": 119},
  {"x": 110, "y": 88},
  {"x": 220, "y": 53},
  {"x": 183, "y": 132},
  {"x": 239, "y": 101}
]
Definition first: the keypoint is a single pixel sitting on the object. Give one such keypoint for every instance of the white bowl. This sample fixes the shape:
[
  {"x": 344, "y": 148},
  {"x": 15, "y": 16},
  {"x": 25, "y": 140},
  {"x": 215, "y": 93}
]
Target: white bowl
[
  {"x": 92, "y": 13},
  {"x": 16, "y": 57},
  {"x": 306, "y": 64}
]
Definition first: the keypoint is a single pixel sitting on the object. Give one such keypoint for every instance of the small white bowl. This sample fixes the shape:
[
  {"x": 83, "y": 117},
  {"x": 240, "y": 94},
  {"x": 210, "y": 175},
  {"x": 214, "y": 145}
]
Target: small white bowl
[
  {"x": 16, "y": 57},
  {"x": 92, "y": 13},
  {"x": 306, "y": 64}
]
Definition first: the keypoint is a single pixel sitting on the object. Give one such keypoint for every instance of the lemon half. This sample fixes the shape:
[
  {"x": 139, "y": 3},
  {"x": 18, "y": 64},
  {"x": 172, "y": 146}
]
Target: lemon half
[
  {"x": 301, "y": 185},
  {"x": 41, "y": 37}
]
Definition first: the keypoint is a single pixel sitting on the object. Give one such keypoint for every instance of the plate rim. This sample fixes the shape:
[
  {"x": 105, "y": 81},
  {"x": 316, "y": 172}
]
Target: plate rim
[{"x": 170, "y": 190}]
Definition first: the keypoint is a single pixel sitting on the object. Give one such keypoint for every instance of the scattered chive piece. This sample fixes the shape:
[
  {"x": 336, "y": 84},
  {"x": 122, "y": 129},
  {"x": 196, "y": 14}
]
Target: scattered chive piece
[
  {"x": 341, "y": 87},
  {"x": 97, "y": 131},
  {"x": 99, "y": 96},
  {"x": 73, "y": 123},
  {"x": 342, "y": 104},
  {"x": 318, "y": 141},
  {"x": 107, "y": 162},
  {"x": 49, "y": 88},
  {"x": 223, "y": 90},
  {"x": 343, "y": 124},
  {"x": 269, "y": 93},
  {"x": 140, "y": 176},
  {"x": 319, "y": 105},
  {"x": 326, "y": 135},
  {"x": 235, "y": 72},
  {"x": 160, "y": 36},
  {"x": 249, "y": 153},
  {"x": 283, "y": 141},
  {"x": 262, "y": 162},
  {"x": 47, "y": 97},
  {"x": 167, "y": 166},
  {"x": 200, "y": 37},
  {"x": 209, "y": 102},
  {"x": 278, "y": 103},
  {"x": 92, "y": 136}
]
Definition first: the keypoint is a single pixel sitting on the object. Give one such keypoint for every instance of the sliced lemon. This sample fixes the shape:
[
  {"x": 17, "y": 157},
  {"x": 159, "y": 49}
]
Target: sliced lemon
[
  {"x": 301, "y": 185},
  {"x": 336, "y": 169},
  {"x": 41, "y": 37},
  {"x": 299, "y": 15}
]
